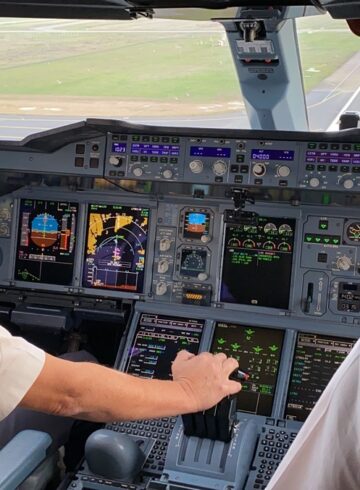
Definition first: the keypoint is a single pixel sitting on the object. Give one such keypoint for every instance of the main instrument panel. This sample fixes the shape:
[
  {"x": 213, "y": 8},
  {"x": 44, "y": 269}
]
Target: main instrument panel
[{"x": 275, "y": 284}]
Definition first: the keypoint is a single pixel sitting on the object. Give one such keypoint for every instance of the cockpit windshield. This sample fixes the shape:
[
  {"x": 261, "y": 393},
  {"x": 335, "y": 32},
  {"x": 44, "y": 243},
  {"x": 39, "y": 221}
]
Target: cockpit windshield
[{"x": 160, "y": 71}]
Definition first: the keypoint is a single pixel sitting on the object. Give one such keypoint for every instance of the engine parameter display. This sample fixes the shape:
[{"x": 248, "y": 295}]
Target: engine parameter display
[
  {"x": 157, "y": 341},
  {"x": 116, "y": 247},
  {"x": 316, "y": 359},
  {"x": 46, "y": 241},
  {"x": 257, "y": 263},
  {"x": 258, "y": 352}
]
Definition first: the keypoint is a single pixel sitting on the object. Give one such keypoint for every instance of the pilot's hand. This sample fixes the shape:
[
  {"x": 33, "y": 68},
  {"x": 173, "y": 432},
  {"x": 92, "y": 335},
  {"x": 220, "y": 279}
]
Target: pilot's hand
[{"x": 205, "y": 378}]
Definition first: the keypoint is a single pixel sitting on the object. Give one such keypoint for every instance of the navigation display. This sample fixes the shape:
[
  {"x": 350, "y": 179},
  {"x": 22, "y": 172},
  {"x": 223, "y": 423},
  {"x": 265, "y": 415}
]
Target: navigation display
[
  {"x": 257, "y": 263},
  {"x": 46, "y": 241},
  {"x": 258, "y": 352},
  {"x": 316, "y": 359},
  {"x": 157, "y": 341},
  {"x": 116, "y": 247}
]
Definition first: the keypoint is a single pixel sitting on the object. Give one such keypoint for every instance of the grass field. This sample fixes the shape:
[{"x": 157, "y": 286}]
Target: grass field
[{"x": 163, "y": 61}]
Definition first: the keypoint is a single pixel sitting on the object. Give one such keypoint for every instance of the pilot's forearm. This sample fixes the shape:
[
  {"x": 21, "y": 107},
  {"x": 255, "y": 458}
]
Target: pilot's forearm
[{"x": 93, "y": 392}]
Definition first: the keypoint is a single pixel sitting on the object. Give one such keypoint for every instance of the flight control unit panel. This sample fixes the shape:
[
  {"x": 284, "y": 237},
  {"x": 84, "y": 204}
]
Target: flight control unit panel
[{"x": 274, "y": 284}]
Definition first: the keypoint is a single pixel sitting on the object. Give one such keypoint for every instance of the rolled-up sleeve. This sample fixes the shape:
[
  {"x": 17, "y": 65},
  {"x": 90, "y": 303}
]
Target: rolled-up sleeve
[{"x": 20, "y": 365}]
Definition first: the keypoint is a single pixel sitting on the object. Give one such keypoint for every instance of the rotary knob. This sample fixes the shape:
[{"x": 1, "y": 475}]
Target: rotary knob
[
  {"x": 115, "y": 161},
  {"x": 196, "y": 166},
  {"x": 167, "y": 174},
  {"x": 343, "y": 263},
  {"x": 163, "y": 266},
  {"x": 202, "y": 276},
  {"x": 205, "y": 238},
  {"x": 348, "y": 184},
  {"x": 164, "y": 245},
  {"x": 161, "y": 288},
  {"x": 314, "y": 182},
  {"x": 219, "y": 168},
  {"x": 138, "y": 171},
  {"x": 259, "y": 169},
  {"x": 283, "y": 171}
]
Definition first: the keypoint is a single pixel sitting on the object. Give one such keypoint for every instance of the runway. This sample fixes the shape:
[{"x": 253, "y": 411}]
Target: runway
[{"x": 338, "y": 93}]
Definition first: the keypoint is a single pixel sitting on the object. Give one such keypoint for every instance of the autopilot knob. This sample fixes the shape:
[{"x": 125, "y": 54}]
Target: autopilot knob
[
  {"x": 283, "y": 171},
  {"x": 196, "y": 166},
  {"x": 115, "y": 161},
  {"x": 113, "y": 455},
  {"x": 259, "y": 169},
  {"x": 219, "y": 168},
  {"x": 344, "y": 263}
]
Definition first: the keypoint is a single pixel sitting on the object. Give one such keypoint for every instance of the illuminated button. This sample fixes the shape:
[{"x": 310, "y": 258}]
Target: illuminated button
[
  {"x": 335, "y": 146},
  {"x": 322, "y": 258},
  {"x": 173, "y": 160},
  {"x": 238, "y": 179},
  {"x": 154, "y": 159},
  {"x": 134, "y": 158},
  {"x": 311, "y": 146},
  {"x": 155, "y": 139},
  {"x": 136, "y": 137},
  {"x": 310, "y": 167},
  {"x": 95, "y": 147},
  {"x": 163, "y": 160},
  {"x": 144, "y": 159},
  {"x": 146, "y": 139},
  {"x": 244, "y": 169},
  {"x": 321, "y": 168},
  {"x": 323, "y": 146},
  {"x": 219, "y": 179},
  {"x": 356, "y": 170},
  {"x": 234, "y": 169},
  {"x": 344, "y": 169},
  {"x": 323, "y": 224},
  {"x": 346, "y": 147},
  {"x": 283, "y": 183},
  {"x": 258, "y": 181},
  {"x": 333, "y": 168},
  {"x": 165, "y": 139},
  {"x": 175, "y": 140}
]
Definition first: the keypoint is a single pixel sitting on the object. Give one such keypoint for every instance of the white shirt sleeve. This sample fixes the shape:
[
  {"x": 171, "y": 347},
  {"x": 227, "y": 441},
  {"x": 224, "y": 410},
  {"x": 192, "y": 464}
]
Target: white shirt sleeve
[
  {"x": 20, "y": 365},
  {"x": 326, "y": 453}
]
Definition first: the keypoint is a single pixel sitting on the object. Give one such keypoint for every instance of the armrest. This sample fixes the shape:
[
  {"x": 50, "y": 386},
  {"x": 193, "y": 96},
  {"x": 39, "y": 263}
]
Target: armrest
[{"x": 21, "y": 456}]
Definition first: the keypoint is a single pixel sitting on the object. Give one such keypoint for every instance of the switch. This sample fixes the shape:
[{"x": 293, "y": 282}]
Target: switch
[{"x": 322, "y": 258}]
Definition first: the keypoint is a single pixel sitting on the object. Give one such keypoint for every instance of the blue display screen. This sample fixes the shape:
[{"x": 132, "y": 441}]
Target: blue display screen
[
  {"x": 196, "y": 218},
  {"x": 119, "y": 148},
  {"x": 155, "y": 149},
  {"x": 262, "y": 154},
  {"x": 210, "y": 151}
]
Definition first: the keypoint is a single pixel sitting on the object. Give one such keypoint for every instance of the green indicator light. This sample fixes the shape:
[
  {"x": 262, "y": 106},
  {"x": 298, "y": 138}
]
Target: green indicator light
[
  {"x": 221, "y": 341},
  {"x": 235, "y": 346},
  {"x": 308, "y": 238},
  {"x": 317, "y": 239},
  {"x": 336, "y": 241},
  {"x": 273, "y": 348},
  {"x": 326, "y": 240}
]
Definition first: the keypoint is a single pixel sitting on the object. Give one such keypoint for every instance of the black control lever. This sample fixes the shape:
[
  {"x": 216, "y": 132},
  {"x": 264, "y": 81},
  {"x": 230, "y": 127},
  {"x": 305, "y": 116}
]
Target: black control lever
[
  {"x": 217, "y": 422},
  {"x": 309, "y": 297}
]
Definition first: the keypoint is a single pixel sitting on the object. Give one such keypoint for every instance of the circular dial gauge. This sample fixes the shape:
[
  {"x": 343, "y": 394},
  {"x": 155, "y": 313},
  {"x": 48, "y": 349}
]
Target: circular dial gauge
[
  {"x": 285, "y": 229},
  {"x": 270, "y": 228},
  {"x": 353, "y": 231}
]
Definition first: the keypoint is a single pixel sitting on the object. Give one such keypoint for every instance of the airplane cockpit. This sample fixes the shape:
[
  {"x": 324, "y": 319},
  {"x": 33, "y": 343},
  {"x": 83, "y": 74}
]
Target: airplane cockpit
[{"x": 135, "y": 238}]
